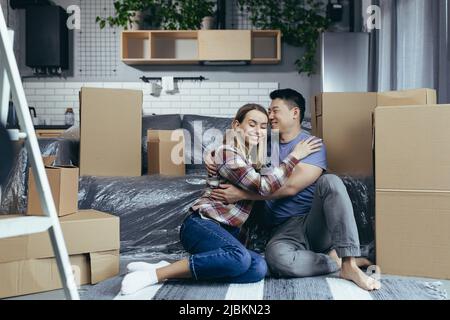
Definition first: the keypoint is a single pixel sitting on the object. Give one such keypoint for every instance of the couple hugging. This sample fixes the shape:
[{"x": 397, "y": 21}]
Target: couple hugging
[{"x": 309, "y": 213}]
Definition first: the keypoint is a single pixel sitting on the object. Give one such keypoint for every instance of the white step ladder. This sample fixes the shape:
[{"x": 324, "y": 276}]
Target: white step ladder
[{"x": 12, "y": 227}]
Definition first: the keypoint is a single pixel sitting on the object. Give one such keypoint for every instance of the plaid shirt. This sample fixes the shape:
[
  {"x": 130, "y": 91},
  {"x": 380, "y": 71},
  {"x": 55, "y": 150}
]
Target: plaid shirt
[{"x": 234, "y": 168}]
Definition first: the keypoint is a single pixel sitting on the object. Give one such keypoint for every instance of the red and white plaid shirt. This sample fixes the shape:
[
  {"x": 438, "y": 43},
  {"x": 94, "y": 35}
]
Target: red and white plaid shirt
[{"x": 234, "y": 168}]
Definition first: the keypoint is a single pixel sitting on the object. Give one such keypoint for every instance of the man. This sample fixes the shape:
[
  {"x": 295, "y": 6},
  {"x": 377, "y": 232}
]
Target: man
[{"x": 313, "y": 227}]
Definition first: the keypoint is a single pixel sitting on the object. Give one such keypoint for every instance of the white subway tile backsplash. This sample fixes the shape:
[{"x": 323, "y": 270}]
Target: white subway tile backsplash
[
  {"x": 210, "y": 85},
  {"x": 54, "y": 98},
  {"x": 170, "y": 98},
  {"x": 133, "y": 85},
  {"x": 238, "y": 92},
  {"x": 229, "y": 85},
  {"x": 93, "y": 84},
  {"x": 73, "y": 85},
  {"x": 203, "y": 105},
  {"x": 190, "y": 98},
  {"x": 54, "y": 85},
  {"x": 188, "y": 85},
  {"x": 248, "y": 85},
  {"x": 32, "y": 98},
  {"x": 229, "y": 98},
  {"x": 249, "y": 99},
  {"x": 207, "y": 98},
  {"x": 34, "y": 85},
  {"x": 268, "y": 85},
  {"x": 64, "y": 91},
  {"x": 113, "y": 85},
  {"x": 220, "y": 92},
  {"x": 46, "y": 92},
  {"x": 259, "y": 92},
  {"x": 200, "y": 91}
]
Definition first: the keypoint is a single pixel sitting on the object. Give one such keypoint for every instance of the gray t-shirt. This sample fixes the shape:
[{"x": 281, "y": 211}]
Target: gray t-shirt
[{"x": 282, "y": 209}]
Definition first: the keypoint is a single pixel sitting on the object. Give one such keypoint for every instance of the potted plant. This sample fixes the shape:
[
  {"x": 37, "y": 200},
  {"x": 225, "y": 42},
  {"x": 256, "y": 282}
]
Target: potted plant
[
  {"x": 300, "y": 22},
  {"x": 129, "y": 14},
  {"x": 166, "y": 14},
  {"x": 187, "y": 14}
]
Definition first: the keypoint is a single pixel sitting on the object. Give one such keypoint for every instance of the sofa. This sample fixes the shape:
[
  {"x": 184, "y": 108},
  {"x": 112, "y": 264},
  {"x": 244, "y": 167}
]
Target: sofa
[{"x": 151, "y": 207}]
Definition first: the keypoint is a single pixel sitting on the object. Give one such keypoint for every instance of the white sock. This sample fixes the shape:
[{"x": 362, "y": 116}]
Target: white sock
[
  {"x": 138, "y": 280},
  {"x": 143, "y": 266}
]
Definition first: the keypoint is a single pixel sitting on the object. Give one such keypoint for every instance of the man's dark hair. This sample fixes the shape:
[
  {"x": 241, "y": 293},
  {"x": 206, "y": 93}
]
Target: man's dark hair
[{"x": 292, "y": 98}]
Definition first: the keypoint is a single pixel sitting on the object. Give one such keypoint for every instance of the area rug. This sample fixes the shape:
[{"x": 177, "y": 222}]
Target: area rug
[{"x": 317, "y": 288}]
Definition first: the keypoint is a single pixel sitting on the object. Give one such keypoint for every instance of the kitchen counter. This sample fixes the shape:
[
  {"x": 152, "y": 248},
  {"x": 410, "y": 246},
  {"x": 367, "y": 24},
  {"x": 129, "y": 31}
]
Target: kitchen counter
[{"x": 52, "y": 127}]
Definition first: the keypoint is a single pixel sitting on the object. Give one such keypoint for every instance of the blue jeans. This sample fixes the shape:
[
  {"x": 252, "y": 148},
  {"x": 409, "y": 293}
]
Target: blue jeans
[{"x": 217, "y": 254}]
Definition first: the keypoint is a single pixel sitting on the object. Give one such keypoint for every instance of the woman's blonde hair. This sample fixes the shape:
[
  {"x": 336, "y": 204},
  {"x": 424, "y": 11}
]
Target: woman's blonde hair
[{"x": 257, "y": 156}]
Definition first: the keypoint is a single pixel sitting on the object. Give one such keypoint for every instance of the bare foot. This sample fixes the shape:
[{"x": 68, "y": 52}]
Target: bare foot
[
  {"x": 350, "y": 271},
  {"x": 333, "y": 255}
]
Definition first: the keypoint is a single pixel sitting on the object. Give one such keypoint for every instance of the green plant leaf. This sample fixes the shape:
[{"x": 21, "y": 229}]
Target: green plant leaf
[{"x": 300, "y": 23}]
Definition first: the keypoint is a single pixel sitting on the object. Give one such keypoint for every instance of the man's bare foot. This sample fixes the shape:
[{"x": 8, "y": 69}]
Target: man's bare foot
[
  {"x": 350, "y": 271},
  {"x": 333, "y": 255}
]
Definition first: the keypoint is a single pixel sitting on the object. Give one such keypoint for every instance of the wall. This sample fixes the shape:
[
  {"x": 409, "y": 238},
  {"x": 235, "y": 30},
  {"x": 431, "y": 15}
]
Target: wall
[
  {"x": 285, "y": 73},
  {"x": 207, "y": 98}
]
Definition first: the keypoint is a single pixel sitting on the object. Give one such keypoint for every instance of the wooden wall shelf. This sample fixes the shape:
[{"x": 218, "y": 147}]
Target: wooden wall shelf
[{"x": 196, "y": 46}]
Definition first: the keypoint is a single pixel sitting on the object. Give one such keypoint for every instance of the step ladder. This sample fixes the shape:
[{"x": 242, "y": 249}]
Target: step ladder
[{"x": 10, "y": 82}]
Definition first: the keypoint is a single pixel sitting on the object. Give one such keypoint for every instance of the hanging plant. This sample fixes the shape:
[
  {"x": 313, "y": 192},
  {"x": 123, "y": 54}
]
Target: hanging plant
[
  {"x": 166, "y": 14},
  {"x": 300, "y": 22}
]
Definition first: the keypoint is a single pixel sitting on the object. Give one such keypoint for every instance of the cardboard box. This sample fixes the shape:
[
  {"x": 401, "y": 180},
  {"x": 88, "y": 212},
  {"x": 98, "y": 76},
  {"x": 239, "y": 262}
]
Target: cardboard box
[
  {"x": 39, "y": 275},
  {"x": 64, "y": 185},
  {"x": 412, "y": 171},
  {"x": 344, "y": 122},
  {"x": 110, "y": 132},
  {"x": 413, "y": 233},
  {"x": 407, "y": 97},
  {"x": 84, "y": 232},
  {"x": 412, "y": 148},
  {"x": 166, "y": 152}
]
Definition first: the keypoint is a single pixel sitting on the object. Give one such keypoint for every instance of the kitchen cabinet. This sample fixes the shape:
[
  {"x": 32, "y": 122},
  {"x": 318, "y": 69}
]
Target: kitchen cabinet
[{"x": 200, "y": 46}]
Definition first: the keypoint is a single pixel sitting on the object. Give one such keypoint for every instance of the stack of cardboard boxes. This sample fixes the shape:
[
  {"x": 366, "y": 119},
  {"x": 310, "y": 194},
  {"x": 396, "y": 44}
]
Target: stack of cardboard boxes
[
  {"x": 28, "y": 264},
  {"x": 412, "y": 174},
  {"x": 344, "y": 122},
  {"x": 408, "y": 136},
  {"x": 110, "y": 145}
]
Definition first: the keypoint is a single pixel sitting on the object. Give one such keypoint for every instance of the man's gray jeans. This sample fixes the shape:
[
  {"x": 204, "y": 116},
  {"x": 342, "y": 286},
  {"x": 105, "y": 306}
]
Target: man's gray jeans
[{"x": 299, "y": 247}]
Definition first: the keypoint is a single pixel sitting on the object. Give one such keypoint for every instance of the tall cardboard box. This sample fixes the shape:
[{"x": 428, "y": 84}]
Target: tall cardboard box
[
  {"x": 110, "y": 132},
  {"x": 166, "y": 152},
  {"x": 412, "y": 177},
  {"x": 27, "y": 263},
  {"x": 63, "y": 182},
  {"x": 344, "y": 122}
]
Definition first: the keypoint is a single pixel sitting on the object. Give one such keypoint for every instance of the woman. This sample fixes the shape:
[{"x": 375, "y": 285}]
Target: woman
[{"x": 209, "y": 232}]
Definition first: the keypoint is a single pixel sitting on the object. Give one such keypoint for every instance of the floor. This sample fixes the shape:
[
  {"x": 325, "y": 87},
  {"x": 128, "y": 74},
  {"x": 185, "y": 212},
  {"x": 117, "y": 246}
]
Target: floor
[{"x": 59, "y": 295}]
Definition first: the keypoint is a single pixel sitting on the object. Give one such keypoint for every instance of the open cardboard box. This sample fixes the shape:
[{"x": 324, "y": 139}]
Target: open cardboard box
[
  {"x": 166, "y": 152},
  {"x": 63, "y": 182}
]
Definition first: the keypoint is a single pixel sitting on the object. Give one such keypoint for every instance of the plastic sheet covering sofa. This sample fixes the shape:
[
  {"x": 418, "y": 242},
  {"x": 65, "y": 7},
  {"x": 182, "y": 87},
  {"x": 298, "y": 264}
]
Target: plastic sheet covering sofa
[{"x": 151, "y": 208}]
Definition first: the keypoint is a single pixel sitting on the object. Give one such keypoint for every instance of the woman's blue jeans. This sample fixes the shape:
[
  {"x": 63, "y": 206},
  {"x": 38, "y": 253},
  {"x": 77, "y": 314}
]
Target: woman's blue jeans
[{"x": 217, "y": 254}]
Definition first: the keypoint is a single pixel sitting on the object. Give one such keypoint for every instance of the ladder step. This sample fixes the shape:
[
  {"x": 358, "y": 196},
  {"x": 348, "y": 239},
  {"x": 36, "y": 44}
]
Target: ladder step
[{"x": 19, "y": 226}]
